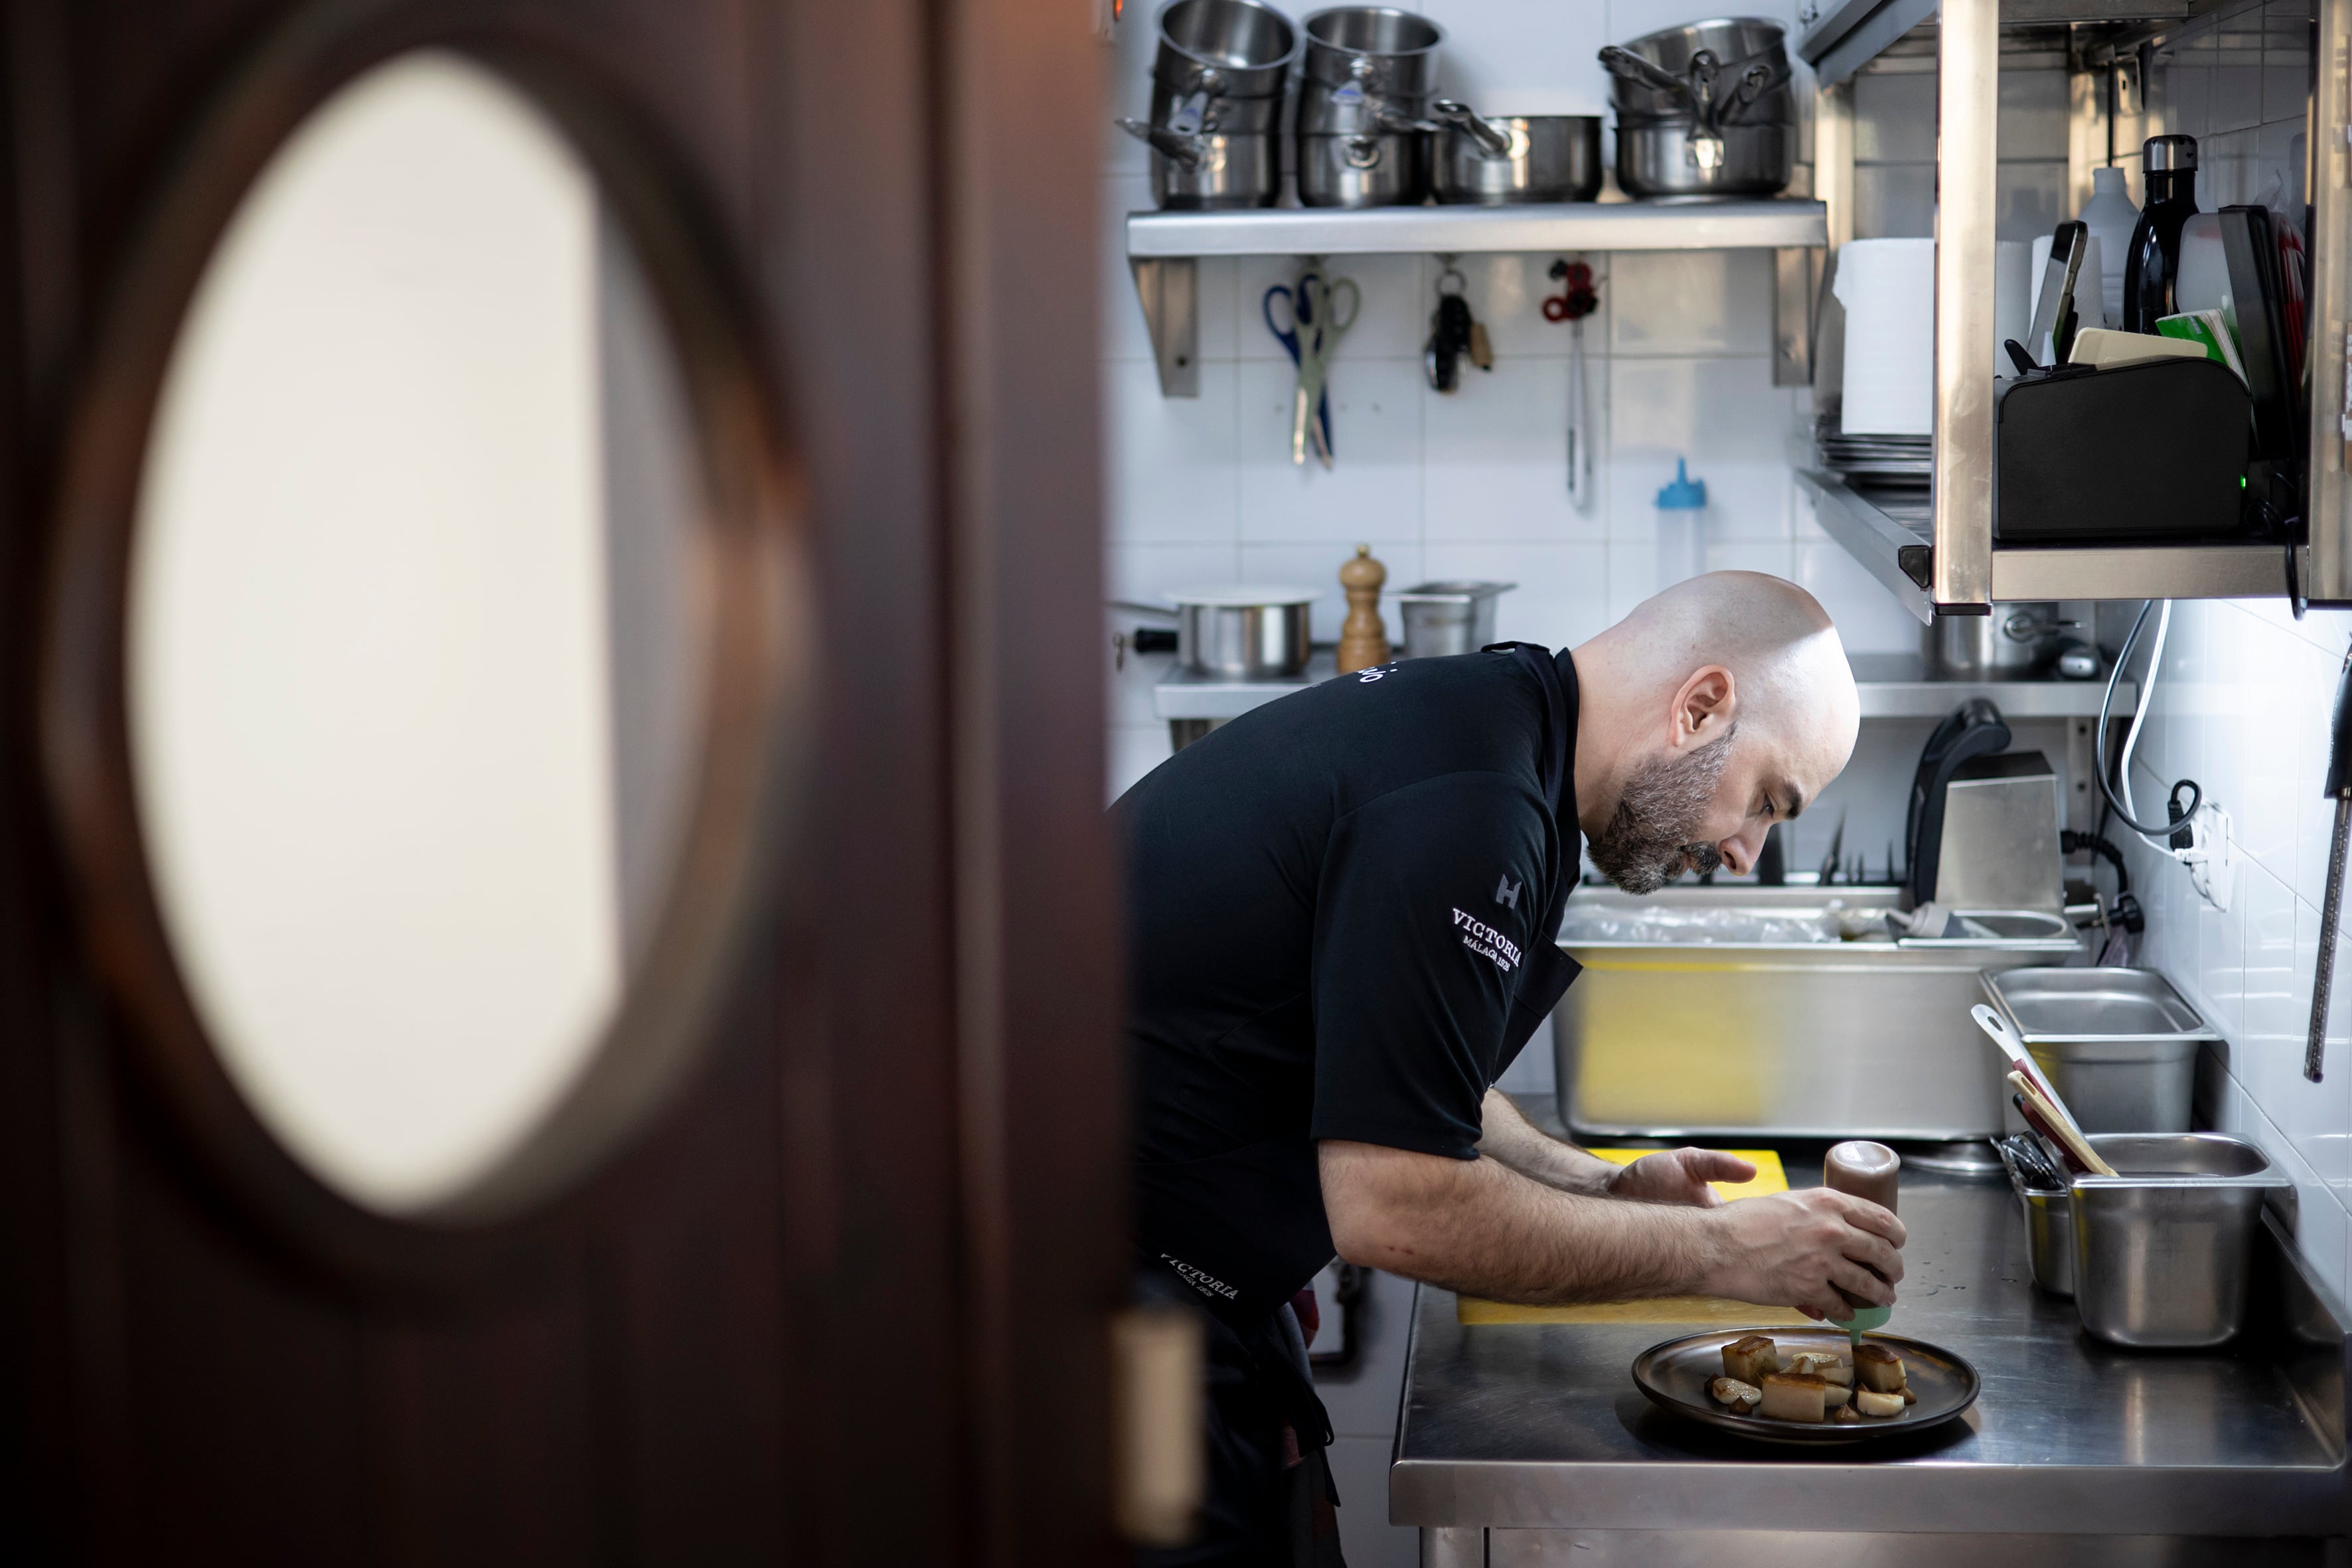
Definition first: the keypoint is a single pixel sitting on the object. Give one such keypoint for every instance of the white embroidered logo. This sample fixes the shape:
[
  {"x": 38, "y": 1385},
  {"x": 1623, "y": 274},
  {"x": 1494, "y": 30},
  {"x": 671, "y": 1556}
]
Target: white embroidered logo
[
  {"x": 1378, "y": 670},
  {"x": 1205, "y": 1283},
  {"x": 1486, "y": 941},
  {"x": 1507, "y": 893}
]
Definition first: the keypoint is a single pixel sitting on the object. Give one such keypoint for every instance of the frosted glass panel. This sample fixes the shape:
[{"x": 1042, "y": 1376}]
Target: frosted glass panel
[{"x": 413, "y": 658}]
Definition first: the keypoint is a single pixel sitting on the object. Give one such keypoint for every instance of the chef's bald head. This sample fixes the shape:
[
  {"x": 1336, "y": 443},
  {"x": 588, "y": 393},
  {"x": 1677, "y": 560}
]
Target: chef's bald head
[
  {"x": 1774, "y": 638},
  {"x": 1714, "y": 711}
]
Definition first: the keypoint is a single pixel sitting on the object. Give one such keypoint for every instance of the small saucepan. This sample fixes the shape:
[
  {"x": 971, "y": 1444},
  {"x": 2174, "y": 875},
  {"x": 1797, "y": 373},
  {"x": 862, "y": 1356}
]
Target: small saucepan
[
  {"x": 1242, "y": 631},
  {"x": 1503, "y": 160}
]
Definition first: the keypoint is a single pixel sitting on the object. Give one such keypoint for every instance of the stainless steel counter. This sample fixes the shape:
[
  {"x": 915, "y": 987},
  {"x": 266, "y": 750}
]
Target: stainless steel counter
[{"x": 1527, "y": 1441}]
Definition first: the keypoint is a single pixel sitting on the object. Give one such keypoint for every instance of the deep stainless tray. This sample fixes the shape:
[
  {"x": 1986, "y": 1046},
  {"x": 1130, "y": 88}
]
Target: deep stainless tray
[
  {"x": 2118, "y": 1005},
  {"x": 1697, "y": 1039}
]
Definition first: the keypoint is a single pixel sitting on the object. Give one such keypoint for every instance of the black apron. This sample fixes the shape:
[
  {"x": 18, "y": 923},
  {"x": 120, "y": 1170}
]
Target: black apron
[{"x": 1246, "y": 1230}]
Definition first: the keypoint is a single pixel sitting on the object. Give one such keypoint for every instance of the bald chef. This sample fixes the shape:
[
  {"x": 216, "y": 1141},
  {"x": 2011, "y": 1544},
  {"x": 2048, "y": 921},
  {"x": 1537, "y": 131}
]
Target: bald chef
[{"x": 1342, "y": 914}]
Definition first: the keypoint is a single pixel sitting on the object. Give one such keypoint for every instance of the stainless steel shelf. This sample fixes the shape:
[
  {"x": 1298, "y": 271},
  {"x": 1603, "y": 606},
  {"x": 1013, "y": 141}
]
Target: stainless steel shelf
[
  {"x": 1845, "y": 37},
  {"x": 1567, "y": 225},
  {"x": 1164, "y": 248},
  {"x": 1889, "y": 536},
  {"x": 1896, "y": 686},
  {"x": 1892, "y": 686}
]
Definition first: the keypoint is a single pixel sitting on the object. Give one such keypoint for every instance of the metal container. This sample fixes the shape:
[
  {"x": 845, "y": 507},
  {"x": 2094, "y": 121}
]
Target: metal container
[
  {"x": 2119, "y": 1045},
  {"x": 1444, "y": 618},
  {"x": 1230, "y": 49},
  {"x": 1386, "y": 170},
  {"x": 1669, "y": 1034},
  {"x": 1515, "y": 158},
  {"x": 1206, "y": 173},
  {"x": 2162, "y": 1248},
  {"x": 1359, "y": 53},
  {"x": 2018, "y": 641},
  {"x": 1217, "y": 92},
  {"x": 1662, "y": 157},
  {"x": 1242, "y": 632},
  {"x": 2049, "y": 1231},
  {"x": 1724, "y": 49}
]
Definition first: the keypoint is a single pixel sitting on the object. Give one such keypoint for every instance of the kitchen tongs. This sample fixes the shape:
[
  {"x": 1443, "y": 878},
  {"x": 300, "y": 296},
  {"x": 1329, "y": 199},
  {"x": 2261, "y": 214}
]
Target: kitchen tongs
[{"x": 2039, "y": 1100}]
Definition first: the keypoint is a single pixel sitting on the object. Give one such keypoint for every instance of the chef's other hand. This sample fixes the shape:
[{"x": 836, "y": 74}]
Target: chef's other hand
[
  {"x": 1680, "y": 1176},
  {"x": 1799, "y": 1250}
]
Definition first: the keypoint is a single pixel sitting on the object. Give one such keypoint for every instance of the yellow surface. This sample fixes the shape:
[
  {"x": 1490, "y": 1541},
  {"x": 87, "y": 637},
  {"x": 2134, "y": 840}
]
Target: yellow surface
[{"x": 1702, "y": 1310}]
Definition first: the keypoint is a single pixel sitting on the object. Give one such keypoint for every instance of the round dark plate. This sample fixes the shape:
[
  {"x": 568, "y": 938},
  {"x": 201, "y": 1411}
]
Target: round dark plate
[{"x": 1675, "y": 1374}]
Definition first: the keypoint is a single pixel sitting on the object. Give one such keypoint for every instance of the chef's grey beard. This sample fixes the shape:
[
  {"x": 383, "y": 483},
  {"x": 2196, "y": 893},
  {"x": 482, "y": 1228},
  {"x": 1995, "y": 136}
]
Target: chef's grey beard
[{"x": 1653, "y": 832}]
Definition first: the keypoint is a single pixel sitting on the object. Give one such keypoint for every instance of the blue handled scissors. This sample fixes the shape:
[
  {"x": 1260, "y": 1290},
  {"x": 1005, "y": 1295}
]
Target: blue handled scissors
[{"x": 1316, "y": 326}]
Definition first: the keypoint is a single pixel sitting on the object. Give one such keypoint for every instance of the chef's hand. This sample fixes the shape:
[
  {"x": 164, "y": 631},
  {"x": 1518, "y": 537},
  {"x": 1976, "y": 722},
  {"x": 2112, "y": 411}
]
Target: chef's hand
[
  {"x": 1680, "y": 1176},
  {"x": 1799, "y": 1249}
]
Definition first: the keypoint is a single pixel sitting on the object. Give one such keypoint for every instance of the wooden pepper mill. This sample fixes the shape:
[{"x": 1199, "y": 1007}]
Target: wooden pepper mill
[{"x": 1363, "y": 641}]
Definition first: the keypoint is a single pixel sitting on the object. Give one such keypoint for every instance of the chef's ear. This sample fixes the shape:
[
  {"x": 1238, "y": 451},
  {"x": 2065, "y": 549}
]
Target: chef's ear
[{"x": 1704, "y": 706}]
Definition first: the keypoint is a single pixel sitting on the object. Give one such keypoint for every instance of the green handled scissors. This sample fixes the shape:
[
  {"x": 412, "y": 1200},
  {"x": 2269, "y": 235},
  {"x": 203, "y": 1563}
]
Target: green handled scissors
[{"x": 1326, "y": 309}]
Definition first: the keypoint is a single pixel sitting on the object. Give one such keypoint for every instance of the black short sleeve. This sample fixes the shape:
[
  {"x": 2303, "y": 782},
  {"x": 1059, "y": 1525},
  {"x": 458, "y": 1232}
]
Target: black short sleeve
[{"x": 1431, "y": 897}]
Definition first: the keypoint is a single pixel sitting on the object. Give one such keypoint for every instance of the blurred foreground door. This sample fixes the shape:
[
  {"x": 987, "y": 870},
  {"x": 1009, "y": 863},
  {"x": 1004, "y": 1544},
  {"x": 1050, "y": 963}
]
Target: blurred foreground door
[{"x": 739, "y": 1181}]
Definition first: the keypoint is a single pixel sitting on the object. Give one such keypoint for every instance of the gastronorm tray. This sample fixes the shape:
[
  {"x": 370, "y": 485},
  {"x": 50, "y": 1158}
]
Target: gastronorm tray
[{"x": 1674, "y": 1375}]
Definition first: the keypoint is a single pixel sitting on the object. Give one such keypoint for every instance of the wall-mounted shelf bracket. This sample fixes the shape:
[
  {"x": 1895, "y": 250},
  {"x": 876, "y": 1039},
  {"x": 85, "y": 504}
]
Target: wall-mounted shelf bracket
[{"x": 1170, "y": 289}]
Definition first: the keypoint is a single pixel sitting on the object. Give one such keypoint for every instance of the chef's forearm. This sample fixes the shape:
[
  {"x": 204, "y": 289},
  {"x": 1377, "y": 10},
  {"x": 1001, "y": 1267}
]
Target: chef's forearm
[
  {"x": 1507, "y": 1136},
  {"x": 1481, "y": 1228}
]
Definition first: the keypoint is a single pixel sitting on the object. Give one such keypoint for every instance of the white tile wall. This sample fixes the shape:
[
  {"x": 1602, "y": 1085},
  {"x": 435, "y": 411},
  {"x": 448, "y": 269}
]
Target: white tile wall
[{"x": 2242, "y": 706}]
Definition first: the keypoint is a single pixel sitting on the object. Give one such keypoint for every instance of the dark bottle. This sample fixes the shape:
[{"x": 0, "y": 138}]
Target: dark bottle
[{"x": 2152, "y": 264}]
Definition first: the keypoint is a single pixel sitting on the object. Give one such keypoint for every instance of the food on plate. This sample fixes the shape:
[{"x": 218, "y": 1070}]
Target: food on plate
[
  {"x": 1740, "y": 1397},
  {"x": 1909, "y": 1397},
  {"x": 1797, "y": 1396},
  {"x": 1835, "y": 1394},
  {"x": 1870, "y": 1401},
  {"x": 1878, "y": 1369},
  {"x": 1750, "y": 1360},
  {"x": 1822, "y": 1363},
  {"x": 1846, "y": 1415}
]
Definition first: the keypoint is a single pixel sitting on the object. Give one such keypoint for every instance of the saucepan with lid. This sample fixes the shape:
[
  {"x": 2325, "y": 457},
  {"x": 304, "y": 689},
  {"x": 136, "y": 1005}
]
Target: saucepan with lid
[{"x": 1242, "y": 631}]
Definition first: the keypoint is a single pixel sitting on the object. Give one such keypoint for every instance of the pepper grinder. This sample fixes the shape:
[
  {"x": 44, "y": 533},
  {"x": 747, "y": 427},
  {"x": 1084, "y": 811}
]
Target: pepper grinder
[
  {"x": 1363, "y": 641},
  {"x": 1863, "y": 1170}
]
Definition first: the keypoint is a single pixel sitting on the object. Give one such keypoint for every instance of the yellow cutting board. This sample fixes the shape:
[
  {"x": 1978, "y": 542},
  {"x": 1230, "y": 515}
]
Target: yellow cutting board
[{"x": 1701, "y": 1310}]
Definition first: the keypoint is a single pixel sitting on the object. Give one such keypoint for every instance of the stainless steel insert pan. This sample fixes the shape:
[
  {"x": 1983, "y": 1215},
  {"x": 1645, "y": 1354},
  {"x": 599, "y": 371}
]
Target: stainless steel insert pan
[{"x": 1667, "y": 1035}]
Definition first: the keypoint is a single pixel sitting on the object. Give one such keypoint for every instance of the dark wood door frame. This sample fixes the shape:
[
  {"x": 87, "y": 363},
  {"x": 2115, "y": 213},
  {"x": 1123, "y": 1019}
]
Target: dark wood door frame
[{"x": 845, "y": 1301}]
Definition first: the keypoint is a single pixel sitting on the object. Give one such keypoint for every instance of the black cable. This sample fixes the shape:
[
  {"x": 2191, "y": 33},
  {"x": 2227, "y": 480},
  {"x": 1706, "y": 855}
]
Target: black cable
[
  {"x": 2072, "y": 842},
  {"x": 2107, "y": 786}
]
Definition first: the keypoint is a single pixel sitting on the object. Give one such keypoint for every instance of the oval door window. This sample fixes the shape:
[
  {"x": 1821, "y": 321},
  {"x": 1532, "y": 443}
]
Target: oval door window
[{"x": 418, "y": 634}]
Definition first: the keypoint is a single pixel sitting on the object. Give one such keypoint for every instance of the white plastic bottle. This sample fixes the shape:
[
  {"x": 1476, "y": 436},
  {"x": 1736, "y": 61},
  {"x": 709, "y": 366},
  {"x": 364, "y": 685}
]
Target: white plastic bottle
[{"x": 2110, "y": 216}]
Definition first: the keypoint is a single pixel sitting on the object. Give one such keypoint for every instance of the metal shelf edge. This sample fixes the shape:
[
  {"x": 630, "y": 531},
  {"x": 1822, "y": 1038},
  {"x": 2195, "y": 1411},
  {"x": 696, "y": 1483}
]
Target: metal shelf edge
[
  {"x": 1580, "y": 225},
  {"x": 1877, "y": 542},
  {"x": 2162, "y": 572}
]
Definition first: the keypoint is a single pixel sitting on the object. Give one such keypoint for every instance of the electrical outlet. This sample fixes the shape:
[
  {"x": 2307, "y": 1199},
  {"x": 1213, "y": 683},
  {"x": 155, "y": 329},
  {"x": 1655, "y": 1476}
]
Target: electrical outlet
[{"x": 2213, "y": 860}]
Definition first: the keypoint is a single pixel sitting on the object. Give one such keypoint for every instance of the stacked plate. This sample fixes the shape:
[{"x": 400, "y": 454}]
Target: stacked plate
[{"x": 1895, "y": 461}]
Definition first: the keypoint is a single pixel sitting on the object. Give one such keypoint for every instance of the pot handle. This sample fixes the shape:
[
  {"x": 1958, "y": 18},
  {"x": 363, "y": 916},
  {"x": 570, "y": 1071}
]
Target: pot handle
[
  {"x": 1492, "y": 139},
  {"x": 1758, "y": 79},
  {"x": 1633, "y": 68},
  {"x": 1175, "y": 146},
  {"x": 1361, "y": 152}
]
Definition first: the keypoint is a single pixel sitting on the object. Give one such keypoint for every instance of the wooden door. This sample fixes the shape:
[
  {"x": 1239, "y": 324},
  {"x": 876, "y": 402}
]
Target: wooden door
[{"x": 844, "y": 1297}]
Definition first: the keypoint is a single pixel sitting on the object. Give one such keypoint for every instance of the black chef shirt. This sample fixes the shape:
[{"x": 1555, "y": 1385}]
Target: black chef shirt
[{"x": 1332, "y": 900}]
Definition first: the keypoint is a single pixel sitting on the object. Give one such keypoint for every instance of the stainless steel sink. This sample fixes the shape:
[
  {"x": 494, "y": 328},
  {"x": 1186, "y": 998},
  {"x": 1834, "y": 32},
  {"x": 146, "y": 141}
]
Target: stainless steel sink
[{"x": 1670, "y": 1032}]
